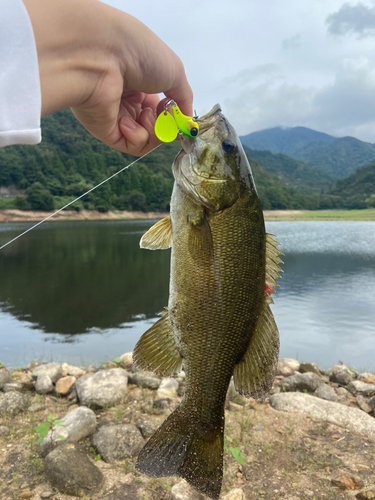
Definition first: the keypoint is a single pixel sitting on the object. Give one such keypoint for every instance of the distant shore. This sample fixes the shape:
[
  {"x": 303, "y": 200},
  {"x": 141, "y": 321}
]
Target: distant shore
[{"x": 12, "y": 215}]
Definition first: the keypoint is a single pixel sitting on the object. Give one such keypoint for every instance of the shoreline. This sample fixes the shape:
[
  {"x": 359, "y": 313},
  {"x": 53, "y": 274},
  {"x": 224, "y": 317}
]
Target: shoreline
[
  {"x": 312, "y": 437},
  {"x": 13, "y": 215}
]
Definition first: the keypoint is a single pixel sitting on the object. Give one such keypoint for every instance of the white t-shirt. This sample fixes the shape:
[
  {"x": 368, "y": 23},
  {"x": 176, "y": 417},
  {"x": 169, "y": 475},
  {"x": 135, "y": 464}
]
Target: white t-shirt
[{"x": 20, "y": 97}]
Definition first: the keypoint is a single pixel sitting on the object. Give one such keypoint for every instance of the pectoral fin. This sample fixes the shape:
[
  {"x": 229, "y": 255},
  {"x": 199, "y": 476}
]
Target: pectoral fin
[
  {"x": 156, "y": 350},
  {"x": 159, "y": 236},
  {"x": 254, "y": 374}
]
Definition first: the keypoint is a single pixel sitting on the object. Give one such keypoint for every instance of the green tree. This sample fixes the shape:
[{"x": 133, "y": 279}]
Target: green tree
[{"x": 38, "y": 197}]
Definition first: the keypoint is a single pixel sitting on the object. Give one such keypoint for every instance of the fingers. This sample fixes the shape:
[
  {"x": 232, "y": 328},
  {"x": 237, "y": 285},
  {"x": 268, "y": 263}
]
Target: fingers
[
  {"x": 181, "y": 91},
  {"x": 137, "y": 138}
]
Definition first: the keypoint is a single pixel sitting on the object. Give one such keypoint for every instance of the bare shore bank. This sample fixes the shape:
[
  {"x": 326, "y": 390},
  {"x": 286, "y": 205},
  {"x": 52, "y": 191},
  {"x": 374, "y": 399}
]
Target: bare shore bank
[{"x": 13, "y": 215}]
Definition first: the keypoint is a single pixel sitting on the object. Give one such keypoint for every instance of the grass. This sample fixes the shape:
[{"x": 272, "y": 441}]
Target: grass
[{"x": 309, "y": 215}]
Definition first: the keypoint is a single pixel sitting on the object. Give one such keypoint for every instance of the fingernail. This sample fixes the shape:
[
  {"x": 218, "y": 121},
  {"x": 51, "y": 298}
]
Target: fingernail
[{"x": 128, "y": 123}]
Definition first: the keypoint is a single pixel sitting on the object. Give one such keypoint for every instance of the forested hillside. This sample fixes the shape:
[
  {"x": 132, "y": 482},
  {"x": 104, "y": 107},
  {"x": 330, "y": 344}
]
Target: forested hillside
[
  {"x": 336, "y": 157},
  {"x": 69, "y": 161}
]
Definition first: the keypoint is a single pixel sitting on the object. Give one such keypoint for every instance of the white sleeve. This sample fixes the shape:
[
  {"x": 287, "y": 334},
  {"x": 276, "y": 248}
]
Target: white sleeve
[{"x": 20, "y": 96}]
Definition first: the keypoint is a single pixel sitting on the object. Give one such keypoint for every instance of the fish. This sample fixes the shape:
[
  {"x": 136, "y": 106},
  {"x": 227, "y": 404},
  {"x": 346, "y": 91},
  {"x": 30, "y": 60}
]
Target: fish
[{"x": 218, "y": 322}]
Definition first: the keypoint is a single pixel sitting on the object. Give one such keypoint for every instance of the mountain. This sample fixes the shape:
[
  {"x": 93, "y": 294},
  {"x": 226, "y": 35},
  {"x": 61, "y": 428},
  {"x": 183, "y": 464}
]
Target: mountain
[
  {"x": 294, "y": 173},
  {"x": 336, "y": 157},
  {"x": 357, "y": 190}
]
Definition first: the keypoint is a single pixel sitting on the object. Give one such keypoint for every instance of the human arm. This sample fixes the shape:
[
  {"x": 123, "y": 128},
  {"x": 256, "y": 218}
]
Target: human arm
[{"x": 108, "y": 67}]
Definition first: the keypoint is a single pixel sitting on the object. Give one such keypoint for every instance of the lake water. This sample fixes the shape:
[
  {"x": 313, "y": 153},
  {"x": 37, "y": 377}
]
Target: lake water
[{"x": 84, "y": 292}]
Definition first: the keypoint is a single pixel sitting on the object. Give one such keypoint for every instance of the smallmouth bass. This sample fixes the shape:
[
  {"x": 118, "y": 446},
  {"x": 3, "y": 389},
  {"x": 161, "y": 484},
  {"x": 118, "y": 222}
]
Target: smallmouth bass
[{"x": 218, "y": 322}]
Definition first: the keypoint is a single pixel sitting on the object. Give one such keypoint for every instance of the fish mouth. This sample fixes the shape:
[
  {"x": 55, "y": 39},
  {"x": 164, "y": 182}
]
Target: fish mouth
[{"x": 206, "y": 123}]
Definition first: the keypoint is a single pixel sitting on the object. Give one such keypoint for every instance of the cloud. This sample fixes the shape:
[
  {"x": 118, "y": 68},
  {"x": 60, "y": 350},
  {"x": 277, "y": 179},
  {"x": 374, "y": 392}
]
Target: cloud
[
  {"x": 346, "y": 106},
  {"x": 291, "y": 43},
  {"x": 358, "y": 19}
]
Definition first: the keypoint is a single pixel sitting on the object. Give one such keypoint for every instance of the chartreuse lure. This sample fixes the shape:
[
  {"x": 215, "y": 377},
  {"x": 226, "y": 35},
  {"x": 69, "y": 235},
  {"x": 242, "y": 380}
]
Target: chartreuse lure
[{"x": 167, "y": 126}]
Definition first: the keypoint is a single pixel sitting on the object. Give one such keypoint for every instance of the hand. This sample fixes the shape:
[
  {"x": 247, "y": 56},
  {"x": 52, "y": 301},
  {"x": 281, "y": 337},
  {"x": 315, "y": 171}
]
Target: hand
[{"x": 108, "y": 67}]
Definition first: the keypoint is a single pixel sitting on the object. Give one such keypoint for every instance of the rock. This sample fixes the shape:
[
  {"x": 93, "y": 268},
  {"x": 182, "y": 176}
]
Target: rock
[
  {"x": 366, "y": 495},
  {"x": 33, "y": 364},
  {"x": 72, "y": 371},
  {"x": 146, "y": 427},
  {"x": 292, "y": 363},
  {"x": 352, "y": 418},
  {"x": 325, "y": 391},
  {"x": 126, "y": 361},
  {"x": 5, "y": 378},
  {"x": 43, "y": 384},
  {"x": 103, "y": 388},
  {"x": 166, "y": 404},
  {"x": 358, "y": 387},
  {"x": 92, "y": 368},
  {"x": 362, "y": 403},
  {"x": 53, "y": 370},
  {"x": 35, "y": 407},
  {"x": 236, "y": 494},
  {"x": 13, "y": 403},
  {"x": 309, "y": 368},
  {"x": 27, "y": 382},
  {"x": 340, "y": 374},
  {"x": 46, "y": 494},
  {"x": 368, "y": 378},
  {"x": 301, "y": 381},
  {"x": 183, "y": 491},
  {"x": 68, "y": 469},
  {"x": 76, "y": 425},
  {"x": 371, "y": 402},
  {"x": 14, "y": 386},
  {"x": 116, "y": 442},
  {"x": 167, "y": 389},
  {"x": 283, "y": 369},
  {"x": 65, "y": 385},
  {"x": 25, "y": 495},
  {"x": 341, "y": 391},
  {"x": 4, "y": 431},
  {"x": 344, "y": 483},
  {"x": 144, "y": 380}
]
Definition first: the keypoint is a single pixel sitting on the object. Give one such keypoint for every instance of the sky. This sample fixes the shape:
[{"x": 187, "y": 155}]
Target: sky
[{"x": 274, "y": 63}]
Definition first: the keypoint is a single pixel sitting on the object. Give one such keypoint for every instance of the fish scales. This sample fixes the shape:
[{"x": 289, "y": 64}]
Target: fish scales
[{"x": 218, "y": 321}]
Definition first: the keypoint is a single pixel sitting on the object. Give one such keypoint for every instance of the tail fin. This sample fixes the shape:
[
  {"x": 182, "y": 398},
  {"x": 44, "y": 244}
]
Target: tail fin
[{"x": 183, "y": 447}]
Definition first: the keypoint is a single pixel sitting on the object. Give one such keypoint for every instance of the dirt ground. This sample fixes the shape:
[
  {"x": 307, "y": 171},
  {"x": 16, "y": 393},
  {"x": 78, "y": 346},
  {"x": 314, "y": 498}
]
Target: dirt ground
[{"x": 286, "y": 455}]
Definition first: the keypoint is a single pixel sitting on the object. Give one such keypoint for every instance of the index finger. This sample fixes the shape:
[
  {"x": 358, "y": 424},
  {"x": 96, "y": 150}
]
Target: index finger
[{"x": 181, "y": 92}]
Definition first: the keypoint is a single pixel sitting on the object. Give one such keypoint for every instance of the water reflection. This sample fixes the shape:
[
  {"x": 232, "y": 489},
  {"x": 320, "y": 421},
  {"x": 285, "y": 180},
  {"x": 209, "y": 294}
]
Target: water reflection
[{"x": 88, "y": 289}]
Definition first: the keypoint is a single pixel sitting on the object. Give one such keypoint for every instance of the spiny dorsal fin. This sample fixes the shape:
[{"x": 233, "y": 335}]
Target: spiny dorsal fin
[
  {"x": 254, "y": 374},
  {"x": 156, "y": 350},
  {"x": 159, "y": 236},
  {"x": 272, "y": 268}
]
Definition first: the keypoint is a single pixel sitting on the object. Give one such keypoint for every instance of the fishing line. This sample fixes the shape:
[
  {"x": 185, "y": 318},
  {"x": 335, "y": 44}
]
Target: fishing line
[{"x": 79, "y": 197}]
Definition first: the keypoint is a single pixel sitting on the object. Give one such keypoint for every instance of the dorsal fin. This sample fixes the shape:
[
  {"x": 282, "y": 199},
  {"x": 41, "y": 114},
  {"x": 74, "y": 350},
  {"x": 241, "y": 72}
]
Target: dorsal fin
[{"x": 272, "y": 267}]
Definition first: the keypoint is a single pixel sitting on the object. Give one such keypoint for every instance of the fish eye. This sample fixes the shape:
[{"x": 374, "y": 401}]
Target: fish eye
[{"x": 228, "y": 146}]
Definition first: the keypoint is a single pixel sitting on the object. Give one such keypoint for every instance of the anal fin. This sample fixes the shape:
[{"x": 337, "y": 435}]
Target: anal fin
[
  {"x": 157, "y": 351},
  {"x": 254, "y": 374},
  {"x": 159, "y": 236}
]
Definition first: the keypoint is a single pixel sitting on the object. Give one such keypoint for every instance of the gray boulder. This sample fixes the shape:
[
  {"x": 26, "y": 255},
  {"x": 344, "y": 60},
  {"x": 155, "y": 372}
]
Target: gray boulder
[
  {"x": 345, "y": 416},
  {"x": 43, "y": 384},
  {"x": 183, "y": 491},
  {"x": 77, "y": 424},
  {"x": 325, "y": 391},
  {"x": 144, "y": 380},
  {"x": 292, "y": 363},
  {"x": 301, "y": 381},
  {"x": 126, "y": 361},
  {"x": 340, "y": 374},
  {"x": 146, "y": 427},
  {"x": 13, "y": 403},
  {"x": 103, "y": 388},
  {"x": 69, "y": 469},
  {"x": 117, "y": 442},
  {"x": 13, "y": 386},
  {"x": 309, "y": 367},
  {"x": 5, "y": 378},
  {"x": 362, "y": 403},
  {"x": 53, "y": 370},
  {"x": 167, "y": 389},
  {"x": 358, "y": 387},
  {"x": 371, "y": 402}
]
